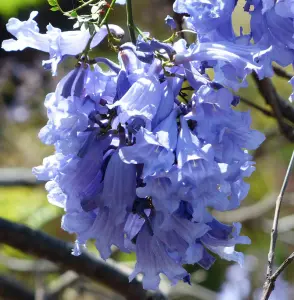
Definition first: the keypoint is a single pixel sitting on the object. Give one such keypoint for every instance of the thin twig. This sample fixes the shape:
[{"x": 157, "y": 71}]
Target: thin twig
[
  {"x": 286, "y": 108},
  {"x": 286, "y": 224},
  {"x": 282, "y": 73},
  {"x": 130, "y": 21},
  {"x": 42, "y": 245},
  {"x": 256, "y": 106},
  {"x": 81, "y": 6},
  {"x": 274, "y": 234},
  {"x": 107, "y": 13},
  {"x": 282, "y": 267},
  {"x": 272, "y": 98},
  {"x": 269, "y": 283}
]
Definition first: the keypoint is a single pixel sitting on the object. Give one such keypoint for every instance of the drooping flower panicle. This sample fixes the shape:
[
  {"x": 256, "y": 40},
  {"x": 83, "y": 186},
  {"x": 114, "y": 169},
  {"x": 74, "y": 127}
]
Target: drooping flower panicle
[{"x": 138, "y": 163}]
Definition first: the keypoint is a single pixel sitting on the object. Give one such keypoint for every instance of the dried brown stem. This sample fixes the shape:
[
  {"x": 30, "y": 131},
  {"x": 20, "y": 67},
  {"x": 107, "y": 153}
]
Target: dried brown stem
[{"x": 270, "y": 279}]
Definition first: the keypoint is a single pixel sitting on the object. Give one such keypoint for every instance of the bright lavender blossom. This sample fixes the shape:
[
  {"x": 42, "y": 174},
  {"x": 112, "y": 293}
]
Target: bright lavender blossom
[
  {"x": 270, "y": 28},
  {"x": 58, "y": 44},
  {"x": 140, "y": 164},
  {"x": 170, "y": 22},
  {"x": 206, "y": 16}
]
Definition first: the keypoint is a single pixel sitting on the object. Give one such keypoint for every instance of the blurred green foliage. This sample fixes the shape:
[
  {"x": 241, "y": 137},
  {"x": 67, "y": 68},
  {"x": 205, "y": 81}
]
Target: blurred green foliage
[{"x": 11, "y": 7}]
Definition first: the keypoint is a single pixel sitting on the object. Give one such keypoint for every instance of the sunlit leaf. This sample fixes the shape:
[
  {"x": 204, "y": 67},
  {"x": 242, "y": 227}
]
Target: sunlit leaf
[
  {"x": 74, "y": 14},
  {"x": 52, "y": 2}
]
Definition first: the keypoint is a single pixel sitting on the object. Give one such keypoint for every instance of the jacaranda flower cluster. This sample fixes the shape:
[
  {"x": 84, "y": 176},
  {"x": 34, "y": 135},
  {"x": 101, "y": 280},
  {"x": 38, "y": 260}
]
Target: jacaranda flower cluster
[{"x": 146, "y": 150}]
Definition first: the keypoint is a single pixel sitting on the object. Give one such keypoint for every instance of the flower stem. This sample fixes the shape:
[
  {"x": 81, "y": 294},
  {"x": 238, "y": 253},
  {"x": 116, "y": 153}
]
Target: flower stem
[
  {"x": 107, "y": 13},
  {"x": 103, "y": 22},
  {"x": 130, "y": 21},
  {"x": 83, "y": 5},
  {"x": 57, "y": 4}
]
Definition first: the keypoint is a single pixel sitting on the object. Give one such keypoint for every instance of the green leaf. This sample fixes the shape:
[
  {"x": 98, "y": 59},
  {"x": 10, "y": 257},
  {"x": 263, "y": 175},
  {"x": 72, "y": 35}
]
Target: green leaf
[
  {"x": 73, "y": 14},
  {"x": 55, "y": 8},
  {"x": 52, "y": 2}
]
